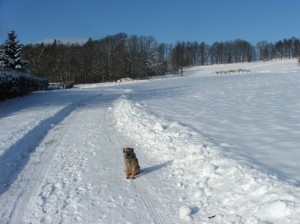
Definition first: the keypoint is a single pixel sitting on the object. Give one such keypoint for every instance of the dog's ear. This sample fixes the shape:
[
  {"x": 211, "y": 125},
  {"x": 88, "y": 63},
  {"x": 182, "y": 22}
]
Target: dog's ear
[{"x": 123, "y": 150}]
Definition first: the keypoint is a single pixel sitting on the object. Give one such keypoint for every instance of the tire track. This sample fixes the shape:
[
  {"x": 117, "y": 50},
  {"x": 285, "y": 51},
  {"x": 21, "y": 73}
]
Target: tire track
[
  {"x": 37, "y": 167},
  {"x": 140, "y": 185}
]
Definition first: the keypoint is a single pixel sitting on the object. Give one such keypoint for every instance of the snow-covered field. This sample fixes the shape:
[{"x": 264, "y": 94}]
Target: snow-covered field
[{"x": 213, "y": 148}]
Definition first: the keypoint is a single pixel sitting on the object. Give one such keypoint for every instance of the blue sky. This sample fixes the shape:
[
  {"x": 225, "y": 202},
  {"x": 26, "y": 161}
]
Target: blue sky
[{"x": 167, "y": 21}]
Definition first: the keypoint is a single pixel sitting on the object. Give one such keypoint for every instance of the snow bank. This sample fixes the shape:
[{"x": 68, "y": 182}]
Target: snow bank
[{"x": 218, "y": 187}]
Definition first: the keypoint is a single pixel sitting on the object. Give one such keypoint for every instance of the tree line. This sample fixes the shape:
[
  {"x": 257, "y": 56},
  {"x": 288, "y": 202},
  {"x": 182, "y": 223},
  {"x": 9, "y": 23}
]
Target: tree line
[
  {"x": 108, "y": 59},
  {"x": 286, "y": 48},
  {"x": 192, "y": 53},
  {"x": 185, "y": 54},
  {"x": 120, "y": 56}
]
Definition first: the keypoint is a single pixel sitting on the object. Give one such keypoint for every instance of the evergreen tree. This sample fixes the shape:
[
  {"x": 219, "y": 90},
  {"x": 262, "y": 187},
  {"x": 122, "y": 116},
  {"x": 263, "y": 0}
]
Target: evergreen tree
[{"x": 10, "y": 54}]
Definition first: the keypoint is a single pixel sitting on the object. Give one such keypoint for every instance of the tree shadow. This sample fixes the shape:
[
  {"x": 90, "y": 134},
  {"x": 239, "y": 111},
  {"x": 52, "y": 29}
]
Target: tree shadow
[{"x": 150, "y": 169}]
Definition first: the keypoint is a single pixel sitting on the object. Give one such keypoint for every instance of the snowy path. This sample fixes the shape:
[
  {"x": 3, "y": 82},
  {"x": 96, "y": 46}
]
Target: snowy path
[{"x": 76, "y": 175}]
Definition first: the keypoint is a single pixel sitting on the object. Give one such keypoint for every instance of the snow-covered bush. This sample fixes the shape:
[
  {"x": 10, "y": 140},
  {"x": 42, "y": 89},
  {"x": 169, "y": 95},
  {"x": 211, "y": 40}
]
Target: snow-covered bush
[{"x": 13, "y": 84}]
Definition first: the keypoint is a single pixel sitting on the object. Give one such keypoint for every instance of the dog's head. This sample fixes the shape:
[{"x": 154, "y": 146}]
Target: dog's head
[{"x": 128, "y": 153}]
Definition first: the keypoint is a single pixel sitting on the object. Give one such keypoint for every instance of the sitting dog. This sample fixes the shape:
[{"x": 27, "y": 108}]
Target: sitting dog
[{"x": 132, "y": 167}]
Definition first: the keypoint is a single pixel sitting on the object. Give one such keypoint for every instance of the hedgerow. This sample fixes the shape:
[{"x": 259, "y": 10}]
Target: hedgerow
[{"x": 14, "y": 84}]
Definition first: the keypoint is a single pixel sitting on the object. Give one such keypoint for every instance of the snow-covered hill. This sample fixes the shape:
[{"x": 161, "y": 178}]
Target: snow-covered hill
[{"x": 218, "y": 145}]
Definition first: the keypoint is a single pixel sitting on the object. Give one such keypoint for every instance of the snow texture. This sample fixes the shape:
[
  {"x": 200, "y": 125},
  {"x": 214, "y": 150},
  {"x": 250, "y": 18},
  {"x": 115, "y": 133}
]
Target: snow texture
[{"x": 213, "y": 148}]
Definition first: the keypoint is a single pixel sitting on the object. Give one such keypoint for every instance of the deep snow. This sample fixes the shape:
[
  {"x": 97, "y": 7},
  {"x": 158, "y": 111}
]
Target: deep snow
[{"x": 213, "y": 148}]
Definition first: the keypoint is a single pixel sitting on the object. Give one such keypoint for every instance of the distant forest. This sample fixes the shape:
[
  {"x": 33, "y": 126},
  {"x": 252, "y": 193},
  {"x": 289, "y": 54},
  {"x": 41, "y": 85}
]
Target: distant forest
[{"x": 120, "y": 56}]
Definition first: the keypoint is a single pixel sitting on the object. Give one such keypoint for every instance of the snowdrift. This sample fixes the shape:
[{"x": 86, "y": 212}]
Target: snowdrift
[{"x": 208, "y": 182}]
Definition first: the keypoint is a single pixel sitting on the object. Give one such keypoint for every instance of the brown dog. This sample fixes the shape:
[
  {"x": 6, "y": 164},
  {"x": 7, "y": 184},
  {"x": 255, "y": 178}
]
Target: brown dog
[{"x": 131, "y": 163}]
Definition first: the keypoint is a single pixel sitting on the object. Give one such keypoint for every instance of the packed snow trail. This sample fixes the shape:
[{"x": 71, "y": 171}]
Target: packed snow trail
[
  {"x": 76, "y": 175},
  {"x": 18, "y": 176}
]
